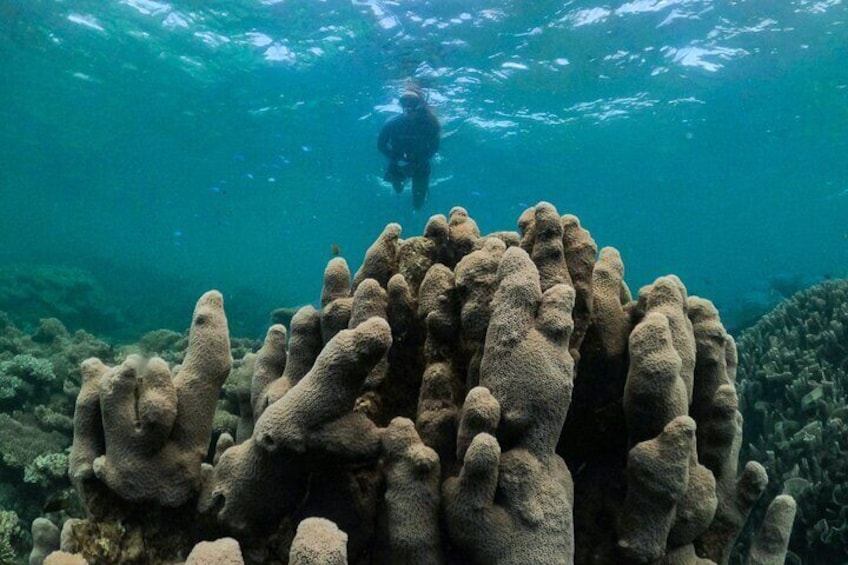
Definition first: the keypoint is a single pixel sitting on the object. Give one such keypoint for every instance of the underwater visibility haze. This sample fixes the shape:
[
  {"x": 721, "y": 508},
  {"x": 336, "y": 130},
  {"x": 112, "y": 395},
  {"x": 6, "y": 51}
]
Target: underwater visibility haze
[
  {"x": 172, "y": 147},
  {"x": 153, "y": 153}
]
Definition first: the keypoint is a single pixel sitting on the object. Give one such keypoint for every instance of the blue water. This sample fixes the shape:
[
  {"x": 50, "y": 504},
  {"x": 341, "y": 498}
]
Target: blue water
[{"x": 180, "y": 146}]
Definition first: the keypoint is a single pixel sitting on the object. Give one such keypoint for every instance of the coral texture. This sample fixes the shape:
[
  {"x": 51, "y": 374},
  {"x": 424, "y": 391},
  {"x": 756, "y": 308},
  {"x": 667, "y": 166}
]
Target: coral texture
[
  {"x": 318, "y": 542},
  {"x": 64, "y": 558},
  {"x": 154, "y": 430},
  {"x": 10, "y": 531},
  {"x": 412, "y": 496},
  {"x": 45, "y": 539},
  {"x": 459, "y": 399},
  {"x": 39, "y": 378},
  {"x": 224, "y": 551},
  {"x": 793, "y": 374}
]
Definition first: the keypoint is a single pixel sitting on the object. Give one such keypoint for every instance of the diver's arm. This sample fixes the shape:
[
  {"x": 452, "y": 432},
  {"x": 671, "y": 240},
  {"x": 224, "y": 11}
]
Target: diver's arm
[
  {"x": 437, "y": 138},
  {"x": 434, "y": 138},
  {"x": 383, "y": 142}
]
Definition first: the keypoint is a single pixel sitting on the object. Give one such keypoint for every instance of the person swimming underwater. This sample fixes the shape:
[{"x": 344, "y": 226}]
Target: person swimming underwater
[{"x": 409, "y": 140}]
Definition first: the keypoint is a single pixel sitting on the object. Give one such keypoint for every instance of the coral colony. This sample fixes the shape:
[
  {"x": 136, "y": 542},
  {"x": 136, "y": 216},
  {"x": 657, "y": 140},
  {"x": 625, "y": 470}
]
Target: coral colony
[
  {"x": 459, "y": 399},
  {"x": 794, "y": 373}
]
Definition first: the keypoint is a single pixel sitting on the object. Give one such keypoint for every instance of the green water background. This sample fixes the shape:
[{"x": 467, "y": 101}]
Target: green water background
[{"x": 168, "y": 148}]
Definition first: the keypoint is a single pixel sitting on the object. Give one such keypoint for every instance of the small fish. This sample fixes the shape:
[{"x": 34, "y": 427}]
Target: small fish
[{"x": 335, "y": 250}]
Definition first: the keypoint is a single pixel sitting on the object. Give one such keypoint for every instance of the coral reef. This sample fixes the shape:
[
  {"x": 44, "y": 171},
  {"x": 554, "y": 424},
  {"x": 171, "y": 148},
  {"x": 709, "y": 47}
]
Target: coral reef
[
  {"x": 51, "y": 291},
  {"x": 10, "y": 531},
  {"x": 40, "y": 378},
  {"x": 144, "y": 434},
  {"x": 459, "y": 399},
  {"x": 793, "y": 375}
]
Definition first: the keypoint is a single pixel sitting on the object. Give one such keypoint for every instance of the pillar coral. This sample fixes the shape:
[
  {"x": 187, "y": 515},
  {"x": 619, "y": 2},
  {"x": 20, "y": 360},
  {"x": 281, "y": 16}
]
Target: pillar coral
[
  {"x": 580, "y": 252},
  {"x": 476, "y": 281},
  {"x": 412, "y": 497},
  {"x": 462, "y": 398},
  {"x": 224, "y": 551},
  {"x": 304, "y": 344},
  {"x": 316, "y": 413},
  {"x": 443, "y": 382},
  {"x": 318, "y": 542},
  {"x": 64, "y": 558},
  {"x": 154, "y": 430},
  {"x": 514, "y": 506},
  {"x": 269, "y": 366}
]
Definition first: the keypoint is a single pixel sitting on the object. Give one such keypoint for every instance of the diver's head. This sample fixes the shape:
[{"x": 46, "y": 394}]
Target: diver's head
[{"x": 411, "y": 101}]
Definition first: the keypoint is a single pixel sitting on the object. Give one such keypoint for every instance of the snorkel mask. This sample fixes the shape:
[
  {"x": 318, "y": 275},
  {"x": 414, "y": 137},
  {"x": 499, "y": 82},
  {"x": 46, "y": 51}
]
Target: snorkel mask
[{"x": 410, "y": 101}]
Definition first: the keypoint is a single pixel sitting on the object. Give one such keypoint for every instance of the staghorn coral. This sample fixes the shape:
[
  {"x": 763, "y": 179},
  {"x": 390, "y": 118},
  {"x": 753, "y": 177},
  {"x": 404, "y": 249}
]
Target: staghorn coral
[
  {"x": 22, "y": 376},
  {"x": 50, "y": 419},
  {"x": 43, "y": 368},
  {"x": 451, "y": 416},
  {"x": 36, "y": 425},
  {"x": 46, "y": 468},
  {"x": 793, "y": 374},
  {"x": 10, "y": 531},
  {"x": 29, "y": 369},
  {"x": 21, "y": 444}
]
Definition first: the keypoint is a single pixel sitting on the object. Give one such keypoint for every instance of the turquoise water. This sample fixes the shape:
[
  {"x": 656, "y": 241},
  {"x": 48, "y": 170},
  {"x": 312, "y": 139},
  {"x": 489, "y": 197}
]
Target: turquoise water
[{"x": 168, "y": 148}]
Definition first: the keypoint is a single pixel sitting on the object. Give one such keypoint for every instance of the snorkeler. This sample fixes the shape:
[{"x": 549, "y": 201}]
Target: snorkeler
[{"x": 410, "y": 140}]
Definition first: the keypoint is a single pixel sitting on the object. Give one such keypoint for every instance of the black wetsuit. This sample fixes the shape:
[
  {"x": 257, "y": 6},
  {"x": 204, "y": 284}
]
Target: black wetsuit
[{"x": 409, "y": 140}]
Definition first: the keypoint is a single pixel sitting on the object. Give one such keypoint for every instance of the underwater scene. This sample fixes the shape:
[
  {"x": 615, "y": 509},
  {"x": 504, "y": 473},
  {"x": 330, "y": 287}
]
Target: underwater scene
[{"x": 423, "y": 281}]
